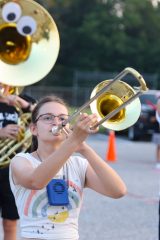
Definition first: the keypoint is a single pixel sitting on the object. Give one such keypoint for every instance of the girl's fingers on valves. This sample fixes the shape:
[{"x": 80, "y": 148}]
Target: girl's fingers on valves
[
  {"x": 87, "y": 122},
  {"x": 91, "y": 119},
  {"x": 86, "y": 117},
  {"x": 82, "y": 116},
  {"x": 91, "y": 128}
]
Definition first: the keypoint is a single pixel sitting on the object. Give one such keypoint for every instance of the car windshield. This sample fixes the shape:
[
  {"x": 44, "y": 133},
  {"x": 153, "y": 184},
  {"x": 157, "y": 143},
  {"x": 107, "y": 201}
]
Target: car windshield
[{"x": 148, "y": 98}]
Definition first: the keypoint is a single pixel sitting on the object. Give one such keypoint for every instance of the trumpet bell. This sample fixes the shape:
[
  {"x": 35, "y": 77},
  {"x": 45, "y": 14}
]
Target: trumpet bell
[
  {"x": 118, "y": 93},
  {"x": 29, "y": 42}
]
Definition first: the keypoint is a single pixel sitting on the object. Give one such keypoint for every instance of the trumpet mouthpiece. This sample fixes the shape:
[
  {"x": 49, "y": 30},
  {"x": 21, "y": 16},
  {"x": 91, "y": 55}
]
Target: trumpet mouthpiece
[{"x": 55, "y": 130}]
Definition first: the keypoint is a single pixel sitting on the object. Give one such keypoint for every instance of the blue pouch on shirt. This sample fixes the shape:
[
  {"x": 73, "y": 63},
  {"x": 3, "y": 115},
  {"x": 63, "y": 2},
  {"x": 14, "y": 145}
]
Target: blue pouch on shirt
[{"x": 57, "y": 191}]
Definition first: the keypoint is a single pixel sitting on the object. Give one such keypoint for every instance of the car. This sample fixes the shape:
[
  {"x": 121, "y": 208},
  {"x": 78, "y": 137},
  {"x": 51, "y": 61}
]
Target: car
[{"x": 146, "y": 124}]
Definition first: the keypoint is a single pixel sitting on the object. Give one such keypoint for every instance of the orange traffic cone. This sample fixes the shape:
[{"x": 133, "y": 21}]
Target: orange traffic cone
[{"x": 111, "y": 151}]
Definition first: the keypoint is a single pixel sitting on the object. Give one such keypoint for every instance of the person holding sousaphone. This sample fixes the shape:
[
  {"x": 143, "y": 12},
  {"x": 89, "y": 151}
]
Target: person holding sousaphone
[
  {"x": 28, "y": 33},
  {"x": 9, "y": 131}
]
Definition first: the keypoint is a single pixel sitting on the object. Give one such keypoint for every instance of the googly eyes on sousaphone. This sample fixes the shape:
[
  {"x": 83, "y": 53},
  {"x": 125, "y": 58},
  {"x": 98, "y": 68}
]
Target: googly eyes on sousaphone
[{"x": 29, "y": 42}]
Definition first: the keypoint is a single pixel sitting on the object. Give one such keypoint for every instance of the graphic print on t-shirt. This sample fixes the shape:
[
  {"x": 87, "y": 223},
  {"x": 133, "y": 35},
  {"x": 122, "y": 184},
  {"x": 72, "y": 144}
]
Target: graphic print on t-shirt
[{"x": 8, "y": 115}]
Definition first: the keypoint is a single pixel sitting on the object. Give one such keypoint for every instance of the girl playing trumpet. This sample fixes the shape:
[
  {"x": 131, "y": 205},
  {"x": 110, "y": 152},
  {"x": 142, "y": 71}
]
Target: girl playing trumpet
[{"x": 48, "y": 182}]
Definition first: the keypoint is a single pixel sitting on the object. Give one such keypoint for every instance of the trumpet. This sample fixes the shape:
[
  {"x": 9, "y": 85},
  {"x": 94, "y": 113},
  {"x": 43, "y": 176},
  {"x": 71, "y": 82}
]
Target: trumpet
[{"x": 115, "y": 102}]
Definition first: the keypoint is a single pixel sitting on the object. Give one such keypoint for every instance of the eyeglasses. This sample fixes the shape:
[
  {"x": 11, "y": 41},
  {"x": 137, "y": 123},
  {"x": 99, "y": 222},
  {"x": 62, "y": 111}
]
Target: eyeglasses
[{"x": 49, "y": 118}]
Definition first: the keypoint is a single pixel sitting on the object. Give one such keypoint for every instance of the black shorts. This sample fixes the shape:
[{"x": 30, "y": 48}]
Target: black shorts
[{"x": 7, "y": 203}]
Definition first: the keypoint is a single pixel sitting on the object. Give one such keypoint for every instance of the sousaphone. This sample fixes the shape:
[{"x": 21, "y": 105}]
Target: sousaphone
[
  {"x": 29, "y": 46},
  {"x": 29, "y": 42}
]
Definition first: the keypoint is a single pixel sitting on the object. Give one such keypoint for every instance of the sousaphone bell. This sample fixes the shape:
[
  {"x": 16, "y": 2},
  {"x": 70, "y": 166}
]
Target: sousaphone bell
[{"x": 29, "y": 42}]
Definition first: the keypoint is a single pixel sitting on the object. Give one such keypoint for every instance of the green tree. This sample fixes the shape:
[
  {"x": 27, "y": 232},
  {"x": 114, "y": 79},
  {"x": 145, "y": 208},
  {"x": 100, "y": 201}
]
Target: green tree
[
  {"x": 141, "y": 26},
  {"x": 107, "y": 35}
]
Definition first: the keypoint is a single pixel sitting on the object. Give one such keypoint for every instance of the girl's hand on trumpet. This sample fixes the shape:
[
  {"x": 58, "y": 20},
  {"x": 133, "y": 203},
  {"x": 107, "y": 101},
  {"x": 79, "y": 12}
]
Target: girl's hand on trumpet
[
  {"x": 81, "y": 146},
  {"x": 81, "y": 129}
]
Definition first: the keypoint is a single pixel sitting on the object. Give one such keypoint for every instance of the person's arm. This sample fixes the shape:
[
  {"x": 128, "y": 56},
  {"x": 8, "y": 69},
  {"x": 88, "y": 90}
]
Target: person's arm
[
  {"x": 14, "y": 100},
  {"x": 100, "y": 176}
]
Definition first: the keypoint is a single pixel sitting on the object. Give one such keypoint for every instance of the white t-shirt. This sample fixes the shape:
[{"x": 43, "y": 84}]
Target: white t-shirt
[{"x": 40, "y": 220}]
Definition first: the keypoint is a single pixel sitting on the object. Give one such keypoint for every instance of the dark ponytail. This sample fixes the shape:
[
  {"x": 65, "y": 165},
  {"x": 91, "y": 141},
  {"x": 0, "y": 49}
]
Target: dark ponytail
[{"x": 34, "y": 145}]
